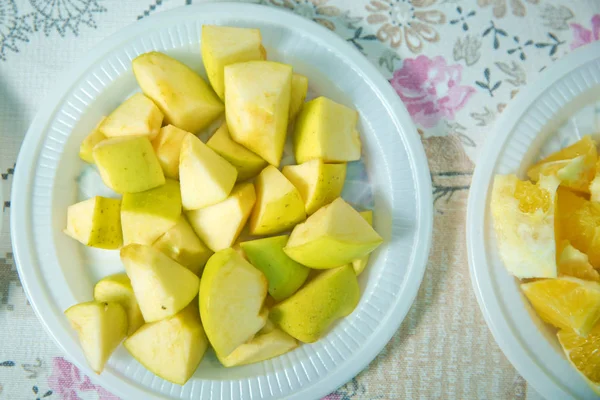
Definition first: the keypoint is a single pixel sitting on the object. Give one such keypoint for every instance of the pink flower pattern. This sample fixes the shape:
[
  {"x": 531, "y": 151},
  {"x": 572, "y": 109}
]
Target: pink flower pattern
[
  {"x": 583, "y": 36},
  {"x": 431, "y": 89},
  {"x": 67, "y": 382}
]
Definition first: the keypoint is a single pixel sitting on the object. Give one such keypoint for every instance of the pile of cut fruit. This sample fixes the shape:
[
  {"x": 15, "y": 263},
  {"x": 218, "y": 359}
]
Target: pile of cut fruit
[
  {"x": 548, "y": 231},
  {"x": 181, "y": 205}
]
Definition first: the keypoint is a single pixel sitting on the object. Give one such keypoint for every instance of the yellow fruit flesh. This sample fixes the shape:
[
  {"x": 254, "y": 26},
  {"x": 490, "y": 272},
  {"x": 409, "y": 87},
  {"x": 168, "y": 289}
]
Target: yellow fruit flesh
[
  {"x": 572, "y": 262},
  {"x": 584, "y": 354},
  {"x": 567, "y": 303}
]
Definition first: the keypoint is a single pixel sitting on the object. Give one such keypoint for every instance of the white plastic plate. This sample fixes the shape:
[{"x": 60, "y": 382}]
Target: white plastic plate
[
  {"x": 58, "y": 272},
  {"x": 560, "y": 107}
]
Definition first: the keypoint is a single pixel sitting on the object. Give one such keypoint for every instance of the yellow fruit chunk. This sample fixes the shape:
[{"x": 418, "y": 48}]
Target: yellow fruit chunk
[
  {"x": 595, "y": 184},
  {"x": 584, "y": 354},
  {"x": 299, "y": 91},
  {"x": 572, "y": 262},
  {"x": 360, "y": 264},
  {"x": 117, "y": 288},
  {"x": 579, "y": 223},
  {"x": 136, "y": 116},
  {"x": 523, "y": 215},
  {"x": 167, "y": 146},
  {"x": 91, "y": 140},
  {"x": 567, "y": 303},
  {"x": 96, "y": 222},
  {"x": 575, "y": 165}
]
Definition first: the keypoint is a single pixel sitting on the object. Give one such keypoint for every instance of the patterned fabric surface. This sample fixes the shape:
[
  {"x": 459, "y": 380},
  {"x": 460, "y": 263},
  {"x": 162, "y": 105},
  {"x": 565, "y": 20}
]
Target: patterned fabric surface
[{"x": 455, "y": 64}]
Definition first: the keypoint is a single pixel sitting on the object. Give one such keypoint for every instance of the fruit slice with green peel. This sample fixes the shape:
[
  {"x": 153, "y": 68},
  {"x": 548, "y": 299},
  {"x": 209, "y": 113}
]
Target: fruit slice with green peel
[
  {"x": 335, "y": 235},
  {"x": 318, "y": 183},
  {"x": 309, "y": 313},
  {"x": 206, "y": 177},
  {"x": 128, "y": 164},
  {"x": 360, "y": 264},
  {"x": 298, "y": 94},
  {"x": 96, "y": 222},
  {"x": 182, "y": 95},
  {"x": 225, "y": 45},
  {"x": 117, "y": 289},
  {"x": 147, "y": 215},
  {"x": 171, "y": 348},
  {"x": 87, "y": 146},
  {"x": 285, "y": 275},
  {"x": 279, "y": 205},
  {"x": 219, "y": 225},
  {"x": 136, "y": 116},
  {"x": 257, "y": 98},
  {"x": 162, "y": 287},
  {"x": 183, "y": 245},
  {"x": 232, "y": 293},
  {"x": 101, "y": 327},
  {"x": 326, "y": 130},
  {"x": 247, "y": 163},
  {"x": 268, "y": 343},
  {"x": 167, "y": 146}
]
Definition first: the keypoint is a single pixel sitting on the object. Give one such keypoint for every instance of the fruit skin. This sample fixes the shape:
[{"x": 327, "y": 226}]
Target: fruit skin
[
  {"x": 308, "y": 313},
  {"x": 91, "y": 140},
  {"x": 318, "y": 183},
  {"x": 220, "y": 225},
  {"x": 279, "y": 205},
  {"x": 285, "y": 276},
  {"x": 360, "y": 264},
  {"x": 136, "y": 116},
  {"x": 206, "y": 177},
  {"x": 96, "y": 222},
  {"x": 523, "y": 216},
  {"x": 100, "y": 327},
  {"x": 167, "y": 146},
  {"x": 232, "y": 293},
  {"x": 145, "y": 216},
  {"x": 128, "y": 164},
  {"x": 117, "y": 289},
  {"x": 182, "y": 95},
  {"x": 247, "y": 163},
  {"x": 298, "y": 94},
  {"x": 268, "y": 343},
  {"x": 162, "y": 287},
  {"x": 583, "y": 354},
  {"x": 182, "y": 245},
  {"x": 335, "y": 235},
  {"x": 225, "y": 45},
  {"x": 171, "y": 348},
  {"x": 326, "y": 130},
  {"x": 566, "y": 302},
  {"x": 257, "y": 98}
]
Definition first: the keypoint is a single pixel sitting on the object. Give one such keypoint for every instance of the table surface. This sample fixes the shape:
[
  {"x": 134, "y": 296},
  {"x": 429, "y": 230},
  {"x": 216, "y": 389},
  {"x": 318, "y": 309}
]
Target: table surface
[{"x": 456, "y": 64}]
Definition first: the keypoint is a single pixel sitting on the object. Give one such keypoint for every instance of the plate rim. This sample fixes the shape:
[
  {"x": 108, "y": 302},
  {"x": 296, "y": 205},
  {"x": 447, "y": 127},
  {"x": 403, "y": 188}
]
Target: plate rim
[
  {"x": 477, "y": 208},
  {"x": 21, "y": 211}
]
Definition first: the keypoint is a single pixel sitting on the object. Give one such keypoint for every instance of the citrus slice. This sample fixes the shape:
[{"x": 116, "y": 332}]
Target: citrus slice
[
  {"x": 567, "y": 303},
  {"x": 595, "y": 184},
  {"x": 573, "y": 262},
  {"x": 584, "y": 354},
  {"x": 575, "y": 165},
  {"x": 523, "y": 215},
  {"x": 579, "y": 221}
]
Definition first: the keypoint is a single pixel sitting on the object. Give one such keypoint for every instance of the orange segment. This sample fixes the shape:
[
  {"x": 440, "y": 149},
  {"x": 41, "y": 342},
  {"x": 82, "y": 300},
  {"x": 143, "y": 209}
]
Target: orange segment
[
  {"x": 583, "y": 354},
  {"x": 572, "y": 262},
  {"x": 595, "y": 184},
  {"x": 567, "y": 303},
  {"x": 575, "y": 165}
]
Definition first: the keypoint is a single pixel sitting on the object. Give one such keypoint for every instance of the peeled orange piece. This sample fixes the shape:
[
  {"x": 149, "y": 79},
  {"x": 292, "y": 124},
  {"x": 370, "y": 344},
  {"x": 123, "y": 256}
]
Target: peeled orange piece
[
  {"x": 595, "y": 184},
  {"x": 575, "y": 165},
  {"x": 523, "y": 215},
  {"x": 579, "y": 221},
  {"x": 567, "y": 303},
  {"x": 584, "y": 354},
  {"x": 573, "y": 262}
]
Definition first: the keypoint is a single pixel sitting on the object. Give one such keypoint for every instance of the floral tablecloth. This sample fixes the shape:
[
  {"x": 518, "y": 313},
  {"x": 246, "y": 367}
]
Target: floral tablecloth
[{"x": 455, "y": 64}]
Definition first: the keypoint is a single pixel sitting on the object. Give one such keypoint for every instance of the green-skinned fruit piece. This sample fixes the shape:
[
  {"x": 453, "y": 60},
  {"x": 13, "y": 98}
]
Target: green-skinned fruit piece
[
  {"x": 285, "y": 275},
  {"x": 145, "y": 216},
  {"x": 136, "y": 116},
  {"x": 96, "y": 222},
  {"x": 171, "y": 348},
  {"x": 117, "y": 288},
  {"x": 87, "y": 145},
  {"x": 360, "y": 264},
  {"x": 309, "y": 313},
  {"x": 167, "y": 146}
]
